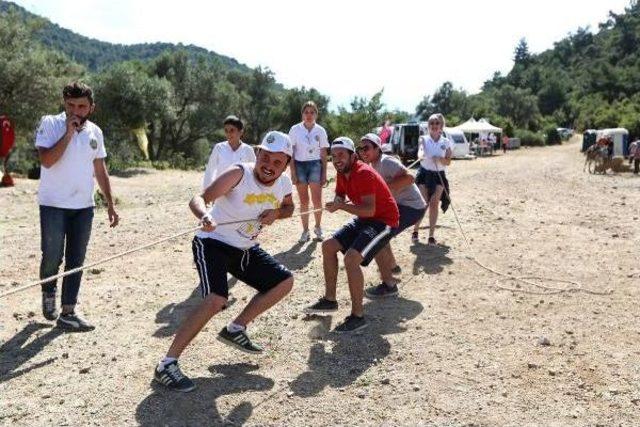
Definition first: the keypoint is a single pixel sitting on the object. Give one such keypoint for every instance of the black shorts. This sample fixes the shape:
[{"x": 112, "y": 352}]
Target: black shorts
[
  {"x": 365, "y": 236},
  {"x": 254, "y": 266},
  {"x": 431, "y": 179},
  {"x": 408, "y": 216}
]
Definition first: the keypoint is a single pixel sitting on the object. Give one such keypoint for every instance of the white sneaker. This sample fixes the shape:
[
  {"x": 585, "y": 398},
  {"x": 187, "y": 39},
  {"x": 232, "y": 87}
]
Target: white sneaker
[
  {"x": 318, "y": 232},
  {"x": 304, "y": 237}
]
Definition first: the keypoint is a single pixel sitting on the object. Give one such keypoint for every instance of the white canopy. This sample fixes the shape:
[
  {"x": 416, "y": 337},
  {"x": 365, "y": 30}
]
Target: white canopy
[{"x": 480, "y": 126}]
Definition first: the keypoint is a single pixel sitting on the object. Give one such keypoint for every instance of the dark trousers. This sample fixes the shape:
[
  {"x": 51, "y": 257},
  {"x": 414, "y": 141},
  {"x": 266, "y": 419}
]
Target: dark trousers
[
  {"x": 636, "y": 166},
  {"x": 57, "y": 227}
]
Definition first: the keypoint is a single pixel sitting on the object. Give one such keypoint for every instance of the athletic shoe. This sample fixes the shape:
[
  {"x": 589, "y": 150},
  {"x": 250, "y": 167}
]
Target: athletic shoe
[
  {"x": 172, "y": 377},
  {"x": 239, "y": 340},
  {"x": 304, "y": 237},
  {"x": 432, "y": 242},
  {"x": 351, "y": 324},
  {"x": 381, "y": 291},
  {"x": 49, "y": 310},
  {"x": 396, "y": 270},
  {"x": 73, "y": 322},
  {"x": 322, "y": 306},
  {"x": 318, "y": 232},
  {"x": 414, "y": 237}
]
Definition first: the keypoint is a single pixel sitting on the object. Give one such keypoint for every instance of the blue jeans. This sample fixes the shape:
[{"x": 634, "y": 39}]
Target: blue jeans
[
  {"x": 309, "y": 172},
  {"x": 56, "y": 226}
]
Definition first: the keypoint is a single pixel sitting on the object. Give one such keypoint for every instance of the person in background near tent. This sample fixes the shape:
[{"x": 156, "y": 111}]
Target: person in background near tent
[
  {"x": 432, "y": 173},
  {"x": 245, "y": 190},
  {"x": 385, "y": 132},
  {"x": 229, "y": 152},
  {"x": 309, "y": 168},
  {"x": 376, "y": 214},
  {"x": 411, "y": 206},
  {"x": 634, "y": 156},
  {"x": 71, "y": 151},
  {"x": 505, "y": 144}
]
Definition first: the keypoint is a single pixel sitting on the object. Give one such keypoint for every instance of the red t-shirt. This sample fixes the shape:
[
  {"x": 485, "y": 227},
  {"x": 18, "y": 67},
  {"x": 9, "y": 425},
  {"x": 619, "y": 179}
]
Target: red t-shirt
[{"x": 364, "y": 181}]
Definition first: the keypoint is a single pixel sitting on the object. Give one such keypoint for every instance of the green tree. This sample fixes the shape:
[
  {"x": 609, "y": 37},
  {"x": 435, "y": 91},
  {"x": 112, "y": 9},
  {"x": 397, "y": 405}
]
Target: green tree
[{"x": 363, "y": 116}]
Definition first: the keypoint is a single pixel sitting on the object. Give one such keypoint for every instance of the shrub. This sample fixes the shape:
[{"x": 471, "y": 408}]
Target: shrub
[
  {"x": 552, "y": 136},
  {"x": 528, "y": 138}
]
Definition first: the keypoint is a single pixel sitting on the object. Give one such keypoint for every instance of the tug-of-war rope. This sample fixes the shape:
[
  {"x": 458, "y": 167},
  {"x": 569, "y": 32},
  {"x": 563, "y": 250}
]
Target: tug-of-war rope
[{"x": 572, "y": 286}]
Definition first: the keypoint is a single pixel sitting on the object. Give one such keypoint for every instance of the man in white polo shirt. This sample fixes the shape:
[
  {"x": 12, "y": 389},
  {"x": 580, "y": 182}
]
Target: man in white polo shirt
[
  {"x": 71, "y": 151},
  {"x": 309, "y": 166}
]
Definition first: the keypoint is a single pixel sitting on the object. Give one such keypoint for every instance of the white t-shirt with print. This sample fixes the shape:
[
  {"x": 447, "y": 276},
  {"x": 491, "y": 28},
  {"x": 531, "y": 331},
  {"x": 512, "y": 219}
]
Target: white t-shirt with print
[
  {"x": 308, "y": 143},
  {"x": 222, "y": 156},
  {"x": 247, "y": 200},
  {"x": 431, "y": 148},
  {"x": 69, "y": 182}
]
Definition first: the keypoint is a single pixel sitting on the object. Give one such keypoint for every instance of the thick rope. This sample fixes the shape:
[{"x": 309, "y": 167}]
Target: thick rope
[{"x": 130, "y": 251}]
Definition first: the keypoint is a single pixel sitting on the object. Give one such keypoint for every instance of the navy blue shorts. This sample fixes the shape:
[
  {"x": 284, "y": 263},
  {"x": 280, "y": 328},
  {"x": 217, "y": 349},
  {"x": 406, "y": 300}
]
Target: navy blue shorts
[
  {"x": 309, "y": 172},
  {"x": 365, "y": 236},
  {"x": 408, "y": 216},
  {"x": 254, "y": 266}
]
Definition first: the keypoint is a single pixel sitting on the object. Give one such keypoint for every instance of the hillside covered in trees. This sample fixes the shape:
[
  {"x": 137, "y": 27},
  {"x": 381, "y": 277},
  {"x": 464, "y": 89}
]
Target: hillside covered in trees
[{"x": 173, "y": 98}]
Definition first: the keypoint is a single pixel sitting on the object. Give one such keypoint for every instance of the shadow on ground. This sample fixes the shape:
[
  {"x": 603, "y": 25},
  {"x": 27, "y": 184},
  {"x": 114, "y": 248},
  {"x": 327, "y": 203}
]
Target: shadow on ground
[
  {"x": 429, "y": 259},
  {"x": 199, "y": 407},
  {"x": 340, "y": 359},
  {"x": 14, "y": 353}
]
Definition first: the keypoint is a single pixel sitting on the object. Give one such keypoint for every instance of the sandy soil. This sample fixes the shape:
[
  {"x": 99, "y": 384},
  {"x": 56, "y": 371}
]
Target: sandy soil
[{"x": 454, "y": 349}]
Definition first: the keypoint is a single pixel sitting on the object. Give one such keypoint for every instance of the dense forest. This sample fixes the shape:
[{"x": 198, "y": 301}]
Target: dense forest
[{"x": 162, "y": 104}]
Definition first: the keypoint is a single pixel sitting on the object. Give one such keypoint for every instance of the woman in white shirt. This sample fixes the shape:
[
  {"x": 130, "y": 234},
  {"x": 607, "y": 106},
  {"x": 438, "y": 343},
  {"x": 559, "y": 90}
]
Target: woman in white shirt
[
  {"x": 436, "y": 157},
  {"x": 309, "y": 165},
  {"x": 229, "y": 152}
]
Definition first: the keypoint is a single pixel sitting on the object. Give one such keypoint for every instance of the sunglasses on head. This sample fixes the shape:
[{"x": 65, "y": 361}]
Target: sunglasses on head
[{"x": 434, "y": 123}]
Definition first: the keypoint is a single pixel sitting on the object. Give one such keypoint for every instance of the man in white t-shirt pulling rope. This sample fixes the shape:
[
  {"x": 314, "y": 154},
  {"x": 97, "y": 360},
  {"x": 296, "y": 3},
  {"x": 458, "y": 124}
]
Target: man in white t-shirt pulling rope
[
  {"x": 71, "y": 151},
  {"x": 245, "y": 190}
]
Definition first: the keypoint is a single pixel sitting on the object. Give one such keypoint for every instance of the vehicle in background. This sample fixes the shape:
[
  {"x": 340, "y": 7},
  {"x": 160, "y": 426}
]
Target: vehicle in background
[{"x": 404, "y": 141}]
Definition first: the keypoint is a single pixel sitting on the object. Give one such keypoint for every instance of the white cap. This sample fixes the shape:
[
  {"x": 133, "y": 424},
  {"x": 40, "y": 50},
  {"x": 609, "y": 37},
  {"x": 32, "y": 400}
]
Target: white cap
[
  {"x": 277, "y": 142},
  {"x": 373, "y": 138},
  {"x": 343, "y": 142}
]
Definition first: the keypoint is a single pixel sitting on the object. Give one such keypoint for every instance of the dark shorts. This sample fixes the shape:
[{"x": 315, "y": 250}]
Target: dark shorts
[
  {"x": 408, "y": 217},
  {"x": 365, "y": 236},
  {"x": 430, "y": 179},
  {"x": 309, "y": 172},
  {"x": 255, "y": 267}
]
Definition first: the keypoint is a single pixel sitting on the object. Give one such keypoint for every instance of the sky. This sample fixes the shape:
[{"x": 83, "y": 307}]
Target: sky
[{"x": 344, "y": 48}]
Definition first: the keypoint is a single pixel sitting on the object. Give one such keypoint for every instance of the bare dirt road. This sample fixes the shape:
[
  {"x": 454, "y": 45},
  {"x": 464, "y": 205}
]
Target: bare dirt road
[{"x": 454, "y": 349}]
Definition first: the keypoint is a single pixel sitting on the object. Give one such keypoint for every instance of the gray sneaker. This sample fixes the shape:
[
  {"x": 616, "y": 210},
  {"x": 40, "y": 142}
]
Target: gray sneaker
[
  {"x": 73, "y": 322},
  {"x": 351, "y": 324},
  {"x": 49, "y": 309},
  {"x": 173, "y": 378},
  {"x": 381, "y": 291},
  {"x": 239, "y": 340}
]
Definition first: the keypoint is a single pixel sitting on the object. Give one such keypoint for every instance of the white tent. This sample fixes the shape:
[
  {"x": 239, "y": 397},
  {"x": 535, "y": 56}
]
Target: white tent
[{"x": 480, "y": 126}]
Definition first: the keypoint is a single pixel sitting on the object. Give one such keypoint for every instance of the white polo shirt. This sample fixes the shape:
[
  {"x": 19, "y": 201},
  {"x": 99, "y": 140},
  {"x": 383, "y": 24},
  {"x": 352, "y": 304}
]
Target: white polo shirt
[
  {"x": 308, "y": 143},
  {"x": 431, "y": 148},
  {"x": 69, "y": 183},
  {"x": 222, "y": 156}
]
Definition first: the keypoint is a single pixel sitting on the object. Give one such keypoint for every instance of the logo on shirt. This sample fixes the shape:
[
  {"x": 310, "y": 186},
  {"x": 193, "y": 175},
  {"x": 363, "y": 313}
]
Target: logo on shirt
[
  {"x": 442, "y": 147},
  {"x": 260, "y": 198},
  {"x": 317, "y": 138},
  {"x": 93, "y": 143}
]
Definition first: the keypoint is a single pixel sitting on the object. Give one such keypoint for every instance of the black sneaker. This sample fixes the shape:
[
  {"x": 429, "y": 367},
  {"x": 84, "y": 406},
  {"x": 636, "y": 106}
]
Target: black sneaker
[
  {"x": 351, "y": 324},
  {"x": 432, "y": 242},
  {"x": 49, "y": 309},
  {"x": 173, "y": 378},
  {"x": 73, "y": 322},
  {"x": 396, "y": 270},
  {"x": 322, "y": 306},
  {"x": 381, "y": 291},
  {"x": 414, "y": 237},
  {"x": 239, "y": 340}
]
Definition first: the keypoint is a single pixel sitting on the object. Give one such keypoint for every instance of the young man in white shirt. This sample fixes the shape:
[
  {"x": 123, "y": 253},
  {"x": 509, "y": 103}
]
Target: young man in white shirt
[
  {"x": 229, "y": 152},
  {"x": 436, "y": 157},
  {"x": 309, "y": 166},
  {"x": 252, "y": 196},
  {"x": 71, "y": 151}
]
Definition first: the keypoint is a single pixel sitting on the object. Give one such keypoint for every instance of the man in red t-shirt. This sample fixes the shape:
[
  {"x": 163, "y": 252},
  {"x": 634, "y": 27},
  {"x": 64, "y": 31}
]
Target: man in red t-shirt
[{"x": 371, "y": 201}]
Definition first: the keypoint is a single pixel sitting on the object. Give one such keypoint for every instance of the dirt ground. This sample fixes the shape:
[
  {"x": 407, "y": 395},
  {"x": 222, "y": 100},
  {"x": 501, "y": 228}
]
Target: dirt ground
[{"x": 454, "y": 349}]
